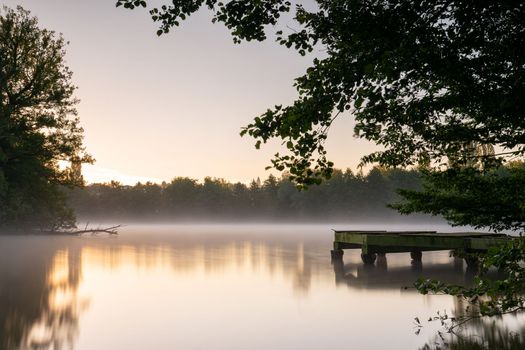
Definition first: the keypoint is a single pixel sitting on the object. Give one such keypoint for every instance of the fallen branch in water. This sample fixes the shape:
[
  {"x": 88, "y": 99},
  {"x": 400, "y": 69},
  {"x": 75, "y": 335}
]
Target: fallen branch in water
[{"x": 110, "y": 230}]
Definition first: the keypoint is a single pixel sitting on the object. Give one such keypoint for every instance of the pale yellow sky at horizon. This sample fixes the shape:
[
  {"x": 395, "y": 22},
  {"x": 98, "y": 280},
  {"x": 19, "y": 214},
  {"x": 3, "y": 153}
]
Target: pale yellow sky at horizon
[{"x": 158, "y": 108}]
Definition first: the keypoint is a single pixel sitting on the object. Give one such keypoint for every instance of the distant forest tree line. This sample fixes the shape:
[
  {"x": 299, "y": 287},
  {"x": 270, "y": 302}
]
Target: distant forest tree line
[{"x": 346, "y": 196}]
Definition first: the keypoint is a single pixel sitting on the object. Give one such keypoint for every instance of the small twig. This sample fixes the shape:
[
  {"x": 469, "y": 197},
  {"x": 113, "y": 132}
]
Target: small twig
[{"x": 292, "y": 29}]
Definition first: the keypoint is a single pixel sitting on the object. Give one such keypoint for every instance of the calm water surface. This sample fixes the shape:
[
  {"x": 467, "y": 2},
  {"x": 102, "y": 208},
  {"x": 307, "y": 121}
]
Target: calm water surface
[{"x": 217, "y": 287}]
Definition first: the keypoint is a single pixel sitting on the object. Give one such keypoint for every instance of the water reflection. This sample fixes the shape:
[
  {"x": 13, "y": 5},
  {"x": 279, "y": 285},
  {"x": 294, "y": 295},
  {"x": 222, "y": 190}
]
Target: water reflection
[
  {"x": 40, "y": 299},
  {"x": 256, "y": 258},
  {"x": 160, "y": 290},
  {"x": 483, "y": 334},
  {"x": 506, "y": 332},
  {"x": 380, "y": 276},
  {"x": 39, "y": 302},
  {"x": 498, "y": 333}
]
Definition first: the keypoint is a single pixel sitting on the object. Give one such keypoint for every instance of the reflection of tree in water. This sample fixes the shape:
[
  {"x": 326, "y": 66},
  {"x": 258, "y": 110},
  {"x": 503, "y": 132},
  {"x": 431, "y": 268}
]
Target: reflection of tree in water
[
  {"x": 479, "y": 333},
  {"x": 39, "y": 304},
  {"x": 382, "y": 276},
  {"x": 302, "y": 277},
  {"x": 482, "y": 334},
  {"x": 290, "y": 261},
  {"x": 40, "y": 276},
  {"x": 505, "y": 332}
]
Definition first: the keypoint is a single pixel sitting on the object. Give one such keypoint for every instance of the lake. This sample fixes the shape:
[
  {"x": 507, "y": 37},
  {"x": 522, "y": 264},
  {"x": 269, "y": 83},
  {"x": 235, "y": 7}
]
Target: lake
[{"x": 205, "y": 286}]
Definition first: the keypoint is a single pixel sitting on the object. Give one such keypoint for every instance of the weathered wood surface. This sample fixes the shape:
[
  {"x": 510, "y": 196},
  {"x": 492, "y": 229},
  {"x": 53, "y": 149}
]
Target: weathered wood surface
[{"x": 408, "y": 241}]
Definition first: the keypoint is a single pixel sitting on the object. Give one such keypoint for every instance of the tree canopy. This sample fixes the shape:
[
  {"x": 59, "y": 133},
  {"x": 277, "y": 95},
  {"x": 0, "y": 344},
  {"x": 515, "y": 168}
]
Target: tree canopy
[
  {"x": 493, "y": 198},
  {"x": 423, "y": 79},
  {"x": 38, "y": 124},
  {"x": 346, "y": 196}
]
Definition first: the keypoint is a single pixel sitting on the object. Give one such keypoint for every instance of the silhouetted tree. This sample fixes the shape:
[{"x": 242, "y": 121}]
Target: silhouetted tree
[
  {"x": 344, "y": 197},
  {"x": 38, "y": 127},
  {"x": 424, "y": 79}
]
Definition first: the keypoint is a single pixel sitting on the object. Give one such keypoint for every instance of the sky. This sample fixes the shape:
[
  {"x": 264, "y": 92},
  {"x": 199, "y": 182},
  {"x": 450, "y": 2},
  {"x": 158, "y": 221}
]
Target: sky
[{"x": 154, "y": 108}]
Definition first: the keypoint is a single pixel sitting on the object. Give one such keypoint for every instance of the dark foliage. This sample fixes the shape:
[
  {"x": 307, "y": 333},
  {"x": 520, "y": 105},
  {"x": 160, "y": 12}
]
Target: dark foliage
[
  {"x": 346, "y": 196},
  {"x": 493, "y": 198},
  {"x": 421, "y": 78},
  {"x": 38, "y": 127}
]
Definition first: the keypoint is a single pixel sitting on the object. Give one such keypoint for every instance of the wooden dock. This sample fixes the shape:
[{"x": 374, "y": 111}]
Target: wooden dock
[{"x": 373, "y": 243}]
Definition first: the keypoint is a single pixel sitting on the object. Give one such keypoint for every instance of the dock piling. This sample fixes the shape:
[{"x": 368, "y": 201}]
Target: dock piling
[
  {"x": 337, "y": 254},
  {"x": 368, "y": 258},
  {"x": 416, "y": 255},
  {"x": 372, "y": 243}
]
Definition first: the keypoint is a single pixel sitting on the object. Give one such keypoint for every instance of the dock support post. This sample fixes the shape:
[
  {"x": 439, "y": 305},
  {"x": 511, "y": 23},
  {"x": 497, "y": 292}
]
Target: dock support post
[
  {"x": 337, "y": 254},
  {"x": 381, "y": 261},
  {"x": 458, "y": 264},
  {"x": 368, "y": 258},
  {"x": 416, "y": 255},
  {"x": 472, "y": 261},
  {"x": 339, "y": 270}
]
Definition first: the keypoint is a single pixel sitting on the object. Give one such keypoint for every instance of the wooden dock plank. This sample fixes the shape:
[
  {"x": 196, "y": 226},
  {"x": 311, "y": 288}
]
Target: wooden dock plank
[
  {"x": 379, "y": 232},
  {"x": 397, "y": 241}
]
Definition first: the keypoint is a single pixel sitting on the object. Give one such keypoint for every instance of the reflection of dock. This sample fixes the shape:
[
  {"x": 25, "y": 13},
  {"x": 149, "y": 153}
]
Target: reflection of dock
[
  {"x": 384, "y": 277},
  {"x": 374, "y": 243}
]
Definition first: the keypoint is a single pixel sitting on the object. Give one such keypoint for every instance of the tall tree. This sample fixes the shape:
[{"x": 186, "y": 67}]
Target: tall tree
[{"x": 38, "y": 125}]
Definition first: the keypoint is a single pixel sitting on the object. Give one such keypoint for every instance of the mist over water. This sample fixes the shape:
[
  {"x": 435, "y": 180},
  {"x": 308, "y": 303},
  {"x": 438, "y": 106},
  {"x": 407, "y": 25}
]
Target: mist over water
[{"x": 218, "y": 286}]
